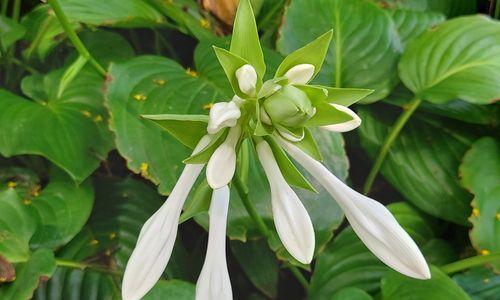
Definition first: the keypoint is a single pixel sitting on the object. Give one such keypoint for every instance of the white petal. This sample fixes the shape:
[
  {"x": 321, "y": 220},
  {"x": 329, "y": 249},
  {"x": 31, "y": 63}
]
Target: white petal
[
  {"x": 214, "y": 282},
  {"x": 300, "y": 74},
  {"x": 247, "y": 79},
  {"x": 371, "y": 221},
  {"x": 222, "y": 164},
  {"x": 346, "y": 126},
  {"x": 291, "y": 219},
  {"x": 156, "y": 239},
  {"x": 223, "y": 114}
]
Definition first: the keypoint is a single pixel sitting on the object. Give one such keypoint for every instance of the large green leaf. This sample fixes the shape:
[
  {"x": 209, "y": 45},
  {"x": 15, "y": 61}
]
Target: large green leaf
[
  {"x": 422, "y": 164},
  {"x": 460, "y": 59},
  {"x": 351, "y": 293},
  {"x": 410, "y": 24},
  {"x": 365, "y": 45},
  {"x": 40, "y": 266},
  {"x": 172, "y": 290},
  {"x": 480, "y": 171},
  {"x": 10, "y": 32},
  {"x": 346, "y": 262},
  {"x": 399, "y": 287},
  {"x": 480, "y": 283}
]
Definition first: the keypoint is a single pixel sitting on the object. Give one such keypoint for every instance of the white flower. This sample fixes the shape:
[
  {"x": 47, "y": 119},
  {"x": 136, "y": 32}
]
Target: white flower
[
  {"x": 247, "y": 79},
  {"x": 222, "y": 163},
  {"x": 223, "y": 114},
  {"x": 346, "y": 126},
  {"x": 214, "y": 282},
  {"x": 300, "y": 74},
  {"x": 156, "y": 239},
  {"x": 372, "y": 222},
  {"x": 291, "y": 219}
]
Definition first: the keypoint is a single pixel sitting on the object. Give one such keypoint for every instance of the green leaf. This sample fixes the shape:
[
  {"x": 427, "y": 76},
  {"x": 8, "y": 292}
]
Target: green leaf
[
  {"x": 40, "y": 266},
  {"x": 10, "y": 32},
  {"x": 70, "y": 74},
  {"x": 188, "y": 129},
  {"x": 313, "y": 53},
  {"x": 327, "y": 114},
  {"x": 259, "y": 264},
  {"x": 309, "y": 146},
  {"x": 346, "y": 96},
  {"x": 365, "y": 45},
  {"x": 480, "y": 283},
  {"x": 346, "y": 262},
  {"x": 288, "y": 169},
  {"x": 230, "y": 63},
  {"x": 422, "y": 164},
  {"x": 245, "y": 40},
  {"x": 460, "y": 59},
  {"x": 396, "y": 286},
  {"x": 411, "y": 24},
  {"x": 480, "y": 171},
  {"x": 351, "y": 293},
  {"x": 172, "y": 289}
]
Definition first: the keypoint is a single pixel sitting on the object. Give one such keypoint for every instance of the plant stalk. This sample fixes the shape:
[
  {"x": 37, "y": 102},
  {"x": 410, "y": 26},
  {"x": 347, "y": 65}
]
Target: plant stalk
[
  {"x": 16, "y": 10},
  {"x": 82, "y": 266},
  {"x": 469, "y": 262},
  {"x": 497, "y": 10},
  {"x": 393, "y": 134},
  {"x": 299, "y": 276},
  {"x": 5, "y": 6},
  {"x": 80, "y": 47}
]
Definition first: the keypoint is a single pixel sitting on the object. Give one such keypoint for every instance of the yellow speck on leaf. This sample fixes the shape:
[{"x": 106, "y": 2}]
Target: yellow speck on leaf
[
  {"x": 475, "y": 212},
  {"x": 485, "y": 252},
  {"x": 26, "y": 201},
  {"x": 112, "y": 235},
  {"x": 35, "y": 191},
  {"x": 98, "y": 119},
  {"x": 498, "y": 216},
  {"x": 11, "y": 184},
  {"x": 107, "y": 252},
  {"x": 205, "y": 23},
  {"x": 94, "y": 242},
  {"x": 191, "y": 72},
  {"x": 208, "y": 106},
  {"x": 144, "y": 169},
  {"x": 140, "y": 97},
  {"x": 486, "y": 280},
  {"x": 87, "y": 113},
  {"x": 159, "y": 81}
]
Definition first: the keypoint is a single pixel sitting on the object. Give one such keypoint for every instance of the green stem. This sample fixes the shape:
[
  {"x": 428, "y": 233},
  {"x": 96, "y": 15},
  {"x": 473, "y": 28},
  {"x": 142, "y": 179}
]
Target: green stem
[
  {"x": 83, "y": 266},
  {"x": 16, "y": 10},
  {"x": 80, "y": 47},
  {"x": 23, "y": 65},
  {"x": 469, "y": 263},
  {"x": 497, "y": 10},
  {"x": 261, "y": 225},
  {"x": 299, "y": 276},
  {"x": 393, "y": 134},
  {"x": 5, "y": 5}
]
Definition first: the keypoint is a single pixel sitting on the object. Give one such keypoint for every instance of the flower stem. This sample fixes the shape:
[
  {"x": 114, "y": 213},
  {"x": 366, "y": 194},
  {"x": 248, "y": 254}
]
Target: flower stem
[
  {"x": 261, "y": 225},
  {"x": 299, "y": 276},
  {"x": 393, "y": 134},
  {"x": 5, "y": 5},
  {"x": 80, "y": 47},
  {"x": 16, "y": 10},
  {"x": 82, "y": 266},
  {"x": 469, "y": 263}
]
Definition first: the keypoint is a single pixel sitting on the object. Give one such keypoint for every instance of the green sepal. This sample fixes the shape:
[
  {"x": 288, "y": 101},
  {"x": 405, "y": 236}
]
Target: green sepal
[
  {"x": 230, "y": 63},
  {"x": 316, "y": 94},
  {"x": 243, "y": 161},
  {"x": 327, "y": 114},
  {"x": 345, "y": 96},
  {"x": 270, "y": 86},
  {"x": 199, "y": 203},
  {"x": 295, "y": 132},
  {"x": 309, "y": 146},
  {"x": 245, "y": 40},
  {"x": 313, "y": 53},
  {"x": 261, "y": 129},
  {"x": 188, "y": 129},
  {"x": 204, "y": 155},
  {"x": 290, "y": 172}
]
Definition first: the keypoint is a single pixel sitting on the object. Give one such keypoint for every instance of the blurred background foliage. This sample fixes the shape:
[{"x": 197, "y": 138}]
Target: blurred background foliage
[{"x": 80, "y": 172}]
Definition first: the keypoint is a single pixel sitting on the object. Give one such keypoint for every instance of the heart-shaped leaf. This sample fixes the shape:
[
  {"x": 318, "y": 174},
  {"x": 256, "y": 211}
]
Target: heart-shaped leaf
[
  {"x": 365, "y": 45},
  {"x": 460, "y": 59},
  {"x": 10, "y": 32},
  {"x": 480, "y": 171},
  {"x": 480, "y": 283}
]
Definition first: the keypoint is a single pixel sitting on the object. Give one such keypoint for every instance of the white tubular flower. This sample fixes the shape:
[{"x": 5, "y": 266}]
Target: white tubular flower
[
  {"x": 223, "y": 114},
  {"x": 291, "y": 219},
  {"x": 156, "y": 239},
  {"x": 372, "y": 222},
  {"x": 346, "y": 126},
  {"x": 222, "y": 163},
  {"x": 300, "y": 74},
  {"x": 214, "y": 282},
  {"x": 247, "y": 79}
]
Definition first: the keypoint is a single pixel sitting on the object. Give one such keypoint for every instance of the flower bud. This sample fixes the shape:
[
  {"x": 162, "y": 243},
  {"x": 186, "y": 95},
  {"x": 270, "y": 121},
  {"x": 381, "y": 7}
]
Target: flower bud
[
  {"x": 223, "y": 114},
  {"x": 300, "y": 74},
  {"x": 247, "y": 79},
  {"x": 289, "y": 107}
]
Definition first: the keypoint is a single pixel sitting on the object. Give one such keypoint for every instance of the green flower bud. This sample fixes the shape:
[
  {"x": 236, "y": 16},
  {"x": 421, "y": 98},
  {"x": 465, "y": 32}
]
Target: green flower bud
[{"x": 289, "y": 107}]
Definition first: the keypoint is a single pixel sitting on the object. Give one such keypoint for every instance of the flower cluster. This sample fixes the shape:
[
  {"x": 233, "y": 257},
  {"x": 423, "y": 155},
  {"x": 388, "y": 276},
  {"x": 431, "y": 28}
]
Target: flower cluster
[{"x": 275, "y": 116}]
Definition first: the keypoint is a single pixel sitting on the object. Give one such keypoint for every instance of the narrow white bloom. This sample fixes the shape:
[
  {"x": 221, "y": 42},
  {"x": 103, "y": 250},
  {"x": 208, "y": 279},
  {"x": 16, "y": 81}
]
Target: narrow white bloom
[
  {"x": 222, "y": 163},
  {"x": 372, "y": 222},
  {"x": 247, "y": 79},
  {"x": 300, "y": 74},
  {"x": 223, "y": 114},
  {"x": 214, "y": 282},
  {"x": 346, "y": 126},
  {"x": 291, "y": 219},
  {"x": 156, "y": 239}
]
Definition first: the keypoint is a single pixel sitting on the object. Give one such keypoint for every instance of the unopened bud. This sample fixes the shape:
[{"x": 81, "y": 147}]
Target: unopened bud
[
  {"x": 289, "y": 107},
  {"x": 300, "y": 74},
  {"x": 247, "y": 79}
]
